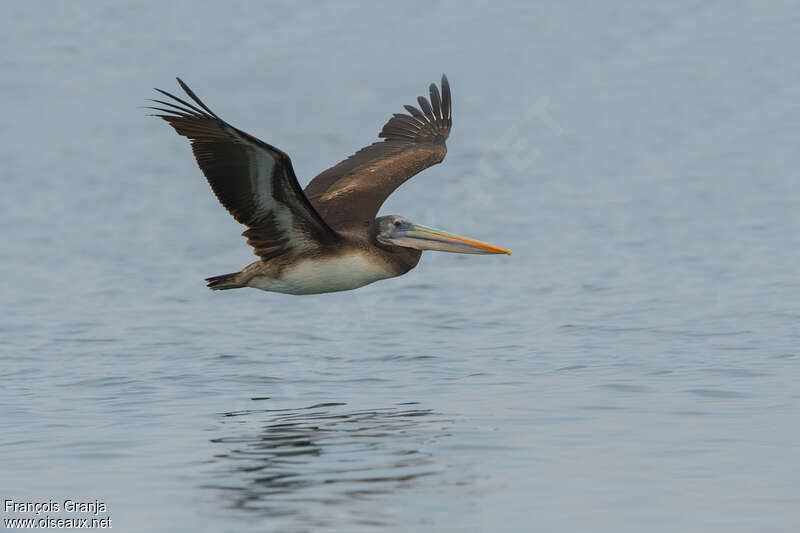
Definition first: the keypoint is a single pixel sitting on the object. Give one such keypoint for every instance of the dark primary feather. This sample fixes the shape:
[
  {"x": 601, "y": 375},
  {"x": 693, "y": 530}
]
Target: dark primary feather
[
  {"x": 350, "y": 193},
  {"x": 253, "y": 180}
]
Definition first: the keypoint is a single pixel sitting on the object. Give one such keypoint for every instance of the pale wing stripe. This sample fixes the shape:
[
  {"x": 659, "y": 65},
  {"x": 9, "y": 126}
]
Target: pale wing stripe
[{"x": 262, "y": 167}]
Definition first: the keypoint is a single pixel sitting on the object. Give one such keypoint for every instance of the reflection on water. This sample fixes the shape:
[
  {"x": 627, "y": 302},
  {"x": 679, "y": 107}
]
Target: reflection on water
[{"x": 276, "y": 462}]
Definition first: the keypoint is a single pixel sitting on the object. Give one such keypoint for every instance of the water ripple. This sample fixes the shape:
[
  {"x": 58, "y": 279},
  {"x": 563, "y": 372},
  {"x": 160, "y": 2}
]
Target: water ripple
[{"x": 279, "y": 464}]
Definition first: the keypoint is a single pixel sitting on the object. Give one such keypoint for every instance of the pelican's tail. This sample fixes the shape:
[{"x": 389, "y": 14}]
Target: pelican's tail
[{"x": 226, "y": 281}]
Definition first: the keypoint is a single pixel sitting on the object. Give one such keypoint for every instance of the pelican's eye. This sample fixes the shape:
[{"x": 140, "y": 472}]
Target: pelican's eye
[{"x": 397, "y": 223}]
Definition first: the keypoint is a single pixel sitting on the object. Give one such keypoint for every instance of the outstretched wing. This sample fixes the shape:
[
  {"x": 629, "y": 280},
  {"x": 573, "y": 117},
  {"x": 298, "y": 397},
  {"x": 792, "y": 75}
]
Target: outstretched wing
[
  {"x": 253, "y": 180},
  {"x": 351, "y": 193}
]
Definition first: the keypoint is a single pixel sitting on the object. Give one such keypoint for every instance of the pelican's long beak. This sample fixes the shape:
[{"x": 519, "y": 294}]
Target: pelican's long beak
[{"x": 427, "y": 238}]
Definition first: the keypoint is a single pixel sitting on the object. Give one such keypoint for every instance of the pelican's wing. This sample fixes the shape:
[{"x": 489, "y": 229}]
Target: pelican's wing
[
  {"x": 253, "y": 180},
  {"x": 350, "y": 193}
]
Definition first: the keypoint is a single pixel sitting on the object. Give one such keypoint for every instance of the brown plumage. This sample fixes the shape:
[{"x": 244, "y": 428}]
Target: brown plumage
[
  {"x": 325, "y": 238},
  {"x": 252, "y": 179},
  {"x": 351, "y": 193}
]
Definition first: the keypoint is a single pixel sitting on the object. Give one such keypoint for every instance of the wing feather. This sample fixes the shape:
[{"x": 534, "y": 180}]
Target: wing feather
[
  {"x": 351, "y": 193},
  {"x": 436, "y": 102},
  {"x": 415, "y": 112},
  {"x": 253, "y": 180}
]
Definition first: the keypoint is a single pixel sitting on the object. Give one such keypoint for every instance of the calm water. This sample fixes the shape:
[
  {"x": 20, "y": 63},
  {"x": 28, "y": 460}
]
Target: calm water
[{"x": 634, "y": 365}]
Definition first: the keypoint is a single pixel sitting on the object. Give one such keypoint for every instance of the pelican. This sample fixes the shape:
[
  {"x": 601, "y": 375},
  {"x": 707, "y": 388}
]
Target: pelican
[{"x": 325, "y": 238}]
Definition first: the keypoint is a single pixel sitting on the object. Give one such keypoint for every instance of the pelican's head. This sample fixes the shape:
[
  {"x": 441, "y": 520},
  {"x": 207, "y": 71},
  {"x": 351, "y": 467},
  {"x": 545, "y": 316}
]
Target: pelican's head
[{"x": 394, "y": 230}]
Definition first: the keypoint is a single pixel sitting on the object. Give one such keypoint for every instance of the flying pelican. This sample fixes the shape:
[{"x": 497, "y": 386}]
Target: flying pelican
[{"x": 326, "y": 238}]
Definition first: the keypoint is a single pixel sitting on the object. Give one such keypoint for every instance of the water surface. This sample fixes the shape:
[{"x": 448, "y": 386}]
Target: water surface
[{"x": 632, "y": 367}]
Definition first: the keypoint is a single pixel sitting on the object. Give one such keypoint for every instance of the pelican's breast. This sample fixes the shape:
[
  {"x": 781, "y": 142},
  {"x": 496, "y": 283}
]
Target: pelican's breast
[{"x": 326, "y": 274}]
